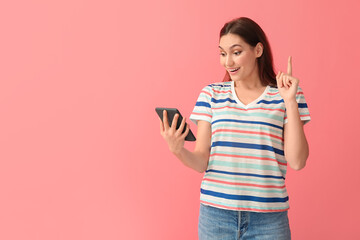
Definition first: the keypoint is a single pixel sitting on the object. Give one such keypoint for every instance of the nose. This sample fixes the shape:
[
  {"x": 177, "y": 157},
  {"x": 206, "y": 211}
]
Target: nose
[{"x": 229, "y": 61}]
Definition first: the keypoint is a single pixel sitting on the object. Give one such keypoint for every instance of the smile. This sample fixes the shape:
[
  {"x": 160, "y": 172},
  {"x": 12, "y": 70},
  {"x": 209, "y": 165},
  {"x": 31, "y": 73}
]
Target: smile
[{"x": 232, "y": 71}]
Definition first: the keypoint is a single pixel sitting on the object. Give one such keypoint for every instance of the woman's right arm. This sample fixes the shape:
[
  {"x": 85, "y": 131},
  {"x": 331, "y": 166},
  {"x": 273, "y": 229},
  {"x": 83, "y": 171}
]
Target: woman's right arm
[{"x": 198, "y": 159}]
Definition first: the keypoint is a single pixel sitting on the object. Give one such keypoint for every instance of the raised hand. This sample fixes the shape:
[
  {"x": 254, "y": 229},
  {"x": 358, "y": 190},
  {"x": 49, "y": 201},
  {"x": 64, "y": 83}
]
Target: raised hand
[{"x": 287, "y": 84}]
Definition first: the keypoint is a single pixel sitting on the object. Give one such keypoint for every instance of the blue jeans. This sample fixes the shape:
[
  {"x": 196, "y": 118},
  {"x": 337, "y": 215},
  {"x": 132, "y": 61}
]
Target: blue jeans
[{"x": 216, "y": 224}]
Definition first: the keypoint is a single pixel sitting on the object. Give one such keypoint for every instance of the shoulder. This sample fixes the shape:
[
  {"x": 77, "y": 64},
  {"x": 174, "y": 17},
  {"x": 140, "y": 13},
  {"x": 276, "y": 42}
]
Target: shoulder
[
  {"x": 299, "y": 90},
  {"x": 274, "y": 91},
  {"x": 218, "y": 86}
]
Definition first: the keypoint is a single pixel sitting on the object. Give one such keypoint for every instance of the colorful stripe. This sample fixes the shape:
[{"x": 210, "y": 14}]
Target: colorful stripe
[
  {"x": 245, "y": 174},
  {"x": 243, "y": 197},
  {"x": 250, "y": 122},
  {"x": 247, "y": 145}
]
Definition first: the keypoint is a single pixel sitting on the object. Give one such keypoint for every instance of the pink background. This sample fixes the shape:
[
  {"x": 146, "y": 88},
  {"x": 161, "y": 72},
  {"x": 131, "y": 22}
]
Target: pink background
[{"x": 81, "y": 156}]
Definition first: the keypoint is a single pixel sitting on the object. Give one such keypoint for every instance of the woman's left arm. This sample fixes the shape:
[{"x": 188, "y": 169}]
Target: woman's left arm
[{"x": 296, "y": 148}]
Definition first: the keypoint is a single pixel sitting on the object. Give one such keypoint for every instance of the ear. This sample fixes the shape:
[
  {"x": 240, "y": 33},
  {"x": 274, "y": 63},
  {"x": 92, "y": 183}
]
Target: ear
[{"x": 259, "y": 48}]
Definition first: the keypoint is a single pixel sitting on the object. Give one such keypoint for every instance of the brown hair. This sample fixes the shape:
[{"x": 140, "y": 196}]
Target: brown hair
[{"x": 252, "y": 34}]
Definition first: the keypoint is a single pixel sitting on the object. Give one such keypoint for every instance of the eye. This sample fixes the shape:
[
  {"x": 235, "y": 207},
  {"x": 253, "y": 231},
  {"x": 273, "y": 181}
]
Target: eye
[
  {"x": 222, "y": 54},
  {"x": 237, "y": 53}
]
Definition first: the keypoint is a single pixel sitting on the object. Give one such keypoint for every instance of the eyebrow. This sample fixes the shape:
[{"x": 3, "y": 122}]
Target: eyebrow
[{"x": 235, "y": 45}]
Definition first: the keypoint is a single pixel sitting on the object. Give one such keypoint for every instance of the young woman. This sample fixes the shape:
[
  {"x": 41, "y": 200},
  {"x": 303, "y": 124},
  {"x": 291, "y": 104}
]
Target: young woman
[{"x": 250, "y": 128}]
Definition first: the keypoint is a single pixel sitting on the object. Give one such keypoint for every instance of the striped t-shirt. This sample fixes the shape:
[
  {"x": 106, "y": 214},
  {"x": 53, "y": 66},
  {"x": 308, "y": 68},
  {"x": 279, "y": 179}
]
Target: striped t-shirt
[{"x": 247, "y": 167}]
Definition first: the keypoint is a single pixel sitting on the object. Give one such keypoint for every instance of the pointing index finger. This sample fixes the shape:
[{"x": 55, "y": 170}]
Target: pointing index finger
[{"x": 289, "y": 69}]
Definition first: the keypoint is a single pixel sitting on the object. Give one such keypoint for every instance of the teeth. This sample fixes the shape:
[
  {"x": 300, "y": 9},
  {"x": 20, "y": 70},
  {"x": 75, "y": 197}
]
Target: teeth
[{"x": 234, "y": 70}]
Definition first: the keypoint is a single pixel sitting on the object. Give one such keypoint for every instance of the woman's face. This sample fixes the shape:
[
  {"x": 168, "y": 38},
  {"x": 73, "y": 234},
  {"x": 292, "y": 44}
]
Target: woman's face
[{"x": 238, "y": 57}]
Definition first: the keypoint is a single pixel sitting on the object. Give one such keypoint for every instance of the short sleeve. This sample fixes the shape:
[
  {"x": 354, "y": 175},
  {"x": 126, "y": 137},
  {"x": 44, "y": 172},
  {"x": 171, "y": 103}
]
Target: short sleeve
[
  {"x": 303, "y": 107},
  {"x": 202, "y": 109}
]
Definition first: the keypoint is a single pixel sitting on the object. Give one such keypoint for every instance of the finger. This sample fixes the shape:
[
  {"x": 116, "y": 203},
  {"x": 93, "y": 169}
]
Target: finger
[
  {"x": 288, "y": 81},
  {"x": 165, "y": 120},
  {"x": 296, "y": 81},
  {"x": 181, "y": 128},
  {"x": 284, "y": 82},
  {"x": 187, "y": 130},
  {"x": 278, "y": 80},
  {"x": 293, "y": 80},
  {"x": 174, "y": 122},
  {"x": 289, "y": 69},
  {"x": 161, "y": 127},
  {"x": 282, "y": 79}
]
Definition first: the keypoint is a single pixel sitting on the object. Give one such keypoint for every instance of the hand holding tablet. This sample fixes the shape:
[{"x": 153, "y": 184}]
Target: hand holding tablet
[{"x": 169, "y": 119}]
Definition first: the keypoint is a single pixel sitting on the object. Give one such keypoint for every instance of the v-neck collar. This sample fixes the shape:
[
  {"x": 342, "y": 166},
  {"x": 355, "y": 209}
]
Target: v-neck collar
[{"x": 251, "y": 103}]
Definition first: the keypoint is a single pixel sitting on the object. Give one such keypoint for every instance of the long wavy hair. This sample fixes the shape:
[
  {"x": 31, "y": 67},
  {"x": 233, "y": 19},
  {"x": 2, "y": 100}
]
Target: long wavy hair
[{"x": 252, "y": 34}]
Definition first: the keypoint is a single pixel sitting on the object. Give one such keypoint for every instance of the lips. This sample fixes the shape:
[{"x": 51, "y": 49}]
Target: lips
[{"x": 234, "y": 70}]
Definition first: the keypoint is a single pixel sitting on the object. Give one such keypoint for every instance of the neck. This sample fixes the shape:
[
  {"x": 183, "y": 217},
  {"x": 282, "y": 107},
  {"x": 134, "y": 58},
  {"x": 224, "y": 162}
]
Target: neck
[
  {"x": 246, "y": 84},
  {"x": 251, "y": 82}
]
